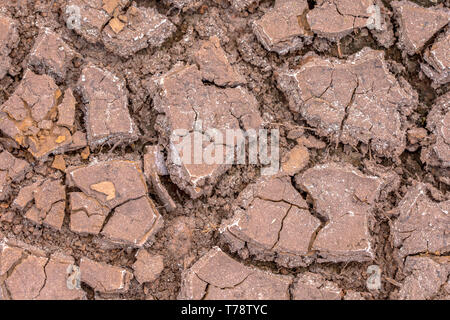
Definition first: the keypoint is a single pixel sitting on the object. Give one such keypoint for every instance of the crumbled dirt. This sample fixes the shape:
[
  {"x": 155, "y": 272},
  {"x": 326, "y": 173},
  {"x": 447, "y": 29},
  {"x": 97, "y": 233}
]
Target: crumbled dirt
[{"x": 96, "y": 204}]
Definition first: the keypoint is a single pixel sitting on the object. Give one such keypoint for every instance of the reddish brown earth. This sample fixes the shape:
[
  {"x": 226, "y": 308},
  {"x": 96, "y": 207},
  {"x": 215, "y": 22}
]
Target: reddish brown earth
[{"x": 93, "y": 206}]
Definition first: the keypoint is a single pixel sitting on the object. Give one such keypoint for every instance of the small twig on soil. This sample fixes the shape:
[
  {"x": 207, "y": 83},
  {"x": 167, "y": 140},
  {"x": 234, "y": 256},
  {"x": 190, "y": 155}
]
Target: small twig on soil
[
  {"x": 339, "y": 48},
  {"x": 393, "y": 282}
]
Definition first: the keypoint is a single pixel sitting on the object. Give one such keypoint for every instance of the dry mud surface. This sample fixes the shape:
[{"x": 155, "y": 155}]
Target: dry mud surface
[{"x": 93, "y": 206}]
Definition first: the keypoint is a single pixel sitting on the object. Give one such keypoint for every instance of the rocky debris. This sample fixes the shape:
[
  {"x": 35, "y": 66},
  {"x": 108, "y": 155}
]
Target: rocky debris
[
  {"x": 242, "y": 4},
  {"x": 437, "y": 57},
  {"x": 89, "y": 17},
  {"x": 190, "y": 109},
  {"x": 214, "y": 64},
  {"x": 107, "y": 116},
  {"x": 418, "y": 24},
  {"x": 38, "y": 117},
  {"x": 284, "y": 28},
  {"x": 438, "y": 122},
  {"x": 114, "y": 189},
  {"x": 12, "y": 170},
  {"x": 147, "y": 267},
  {"x": 104, "y": 278},
  {"x": 272, "y": 222},
  {"x": 48, "y": 199},
  {"x": 51, "y": 55},
  {"x": 154, "y": 166},
  {"x": 87, "y": 215},
  {"x": 334, "y": 19},
  {"x": 218, "y": 276},
  {"x": 422, "y": 224},
  {"x": 352, "y": 101},
  {"x": 136, "y": 29},
  {"x": 9, "y": 39},
  {"x": 425, "y": 277},
  {"x": 311, "y": 286},
  {"x": 345, "y": 198},
  {"x": 28, "y": 273}
]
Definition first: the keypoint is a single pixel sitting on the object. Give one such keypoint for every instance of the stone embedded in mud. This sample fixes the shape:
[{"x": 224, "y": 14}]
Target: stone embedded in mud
[
  {"x": 438, "y": 122},
  {"x": 284, "y": 27},
  {"x": 27, "y": 273},
  {"x": 425, "y": 277},
  {"x": 12, "y": 170},
  {"x": 418, "y": 24},
  {"x": 87, "y": 215},
  {"x": 51, "y": 55},
  {"x": 422, "y": 224},
  {"x": 30, "y": 116},
  {"x": 147, "y": 267},
  {"x": 352, "y": 101},
  {"x": 49, "y": 202},
  {"x": 217, "y": 276},
  {"x": 88, "y": 17},
  {"x": 118, "y": 188},
  {"x": 311, "y": 286},
  {"x": 104, "y": 278},
  {"x": 136, "y": 29},
  {"x": 9, "y": 39},
  {"x": 153, "y": 167},
  {"x": 273, "y": 222},
  {"x": 107, "y": 116},
  {"x": 438, "y": 59},
  {"x": 345, "y": 198},
  {"x": 214, "y": 64},
  {"x": 184, "y": 101}
]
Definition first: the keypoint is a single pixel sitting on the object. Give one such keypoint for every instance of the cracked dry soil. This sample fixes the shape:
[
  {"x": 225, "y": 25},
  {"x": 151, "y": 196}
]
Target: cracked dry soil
[{"x": 92, "y": 205}]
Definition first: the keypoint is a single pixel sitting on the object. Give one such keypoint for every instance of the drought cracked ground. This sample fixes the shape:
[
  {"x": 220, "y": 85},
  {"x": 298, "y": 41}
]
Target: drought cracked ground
[{"x": 94, "y": 206}]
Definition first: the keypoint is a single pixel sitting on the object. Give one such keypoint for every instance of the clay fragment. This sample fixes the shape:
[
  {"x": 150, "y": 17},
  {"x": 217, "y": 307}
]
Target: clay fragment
[
  {"x": 12, "y": 169},
  {"x": 147, "y": 267},
  {"x": 9, "y": 39}
]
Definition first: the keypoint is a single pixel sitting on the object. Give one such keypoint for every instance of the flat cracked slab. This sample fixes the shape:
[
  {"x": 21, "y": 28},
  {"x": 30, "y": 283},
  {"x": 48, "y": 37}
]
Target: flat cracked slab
[
  {"x": 31, "y": 274},
  {"x": 12, "y": 170},
  {"x": 9, "y": 39},
  {"x": 437, "y": 57},
  {"x": 115, "y": 189},
  {"x": 39, "y": 117},
  {"x": 418, "y": 24},
  {"x": 351, "y": 101},
  {"x": 184, "y": 102},
  {"x": 284, "y": 27},
  {"x": 422, "y": 224},
  {"x": 147, "y": 267},
  {"x": 311, "y": 286},
  {"x": 107, "y": 116},
  {"x": 216, "y": 276},
  {"x": 272, "y": 221}
]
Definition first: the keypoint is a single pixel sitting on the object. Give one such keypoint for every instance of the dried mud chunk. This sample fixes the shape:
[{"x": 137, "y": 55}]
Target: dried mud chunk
[
  {"x": 49, "y": 203},
  {"x": 357, "y": 100},
  {"x": 87, "y": 214},
  {"x": 216, "y": 276},
  {"x": 26, "y": 273},
  {"x": 66, "y": 111},
  {"x": 426, "y": 276},
  {"x": 133, "y": 222},
  {"x": 297, "y": 159},
  {"x": 214, "y": 64},
  {"x": 104, "y": 278},
  {"x": 272, "y": 220},
  {"x": 422, "y": 224},
  {"x": 190, "y": 108},
  {"x": 153, "y": 167},
  {"x": 438, "y": 59},
  {"x": 310, "y": 286},
  {"x": 51, "y": 55},
  {"x": 107, "y": 115},
  {"x": 345, "y": 198},
  {"x": 284, "y": 28},
  {"x": 418, "y": 24},
  {"x": 9, "y": 39},
  {"x": 89, "y": 17},
  {"x": 29, "y": 116},
  {"x": 438, "y": 122},
  {"x": 137, "y": 29},
  {"x": 12, "y": 169},
  {"x": 125, "y": 177},
  {"x": 147, "y": 267}
]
